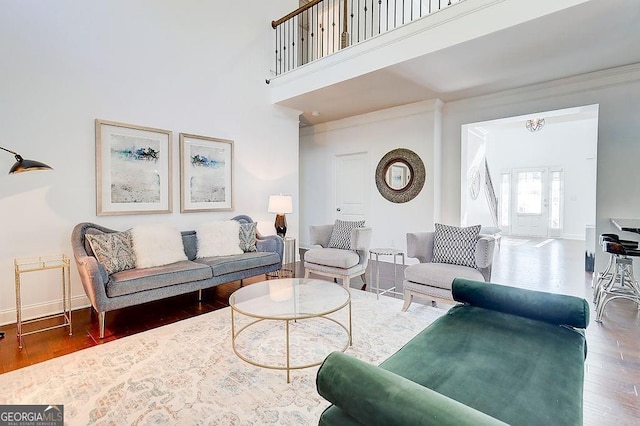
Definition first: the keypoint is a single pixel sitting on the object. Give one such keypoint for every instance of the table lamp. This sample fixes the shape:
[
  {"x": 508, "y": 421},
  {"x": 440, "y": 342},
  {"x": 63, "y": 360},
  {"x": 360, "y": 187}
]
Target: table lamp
[{"x": 280, "y": 205}]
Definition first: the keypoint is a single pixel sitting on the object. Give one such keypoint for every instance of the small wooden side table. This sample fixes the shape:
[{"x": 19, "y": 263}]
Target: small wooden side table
[{"x": 43, "y": 263}]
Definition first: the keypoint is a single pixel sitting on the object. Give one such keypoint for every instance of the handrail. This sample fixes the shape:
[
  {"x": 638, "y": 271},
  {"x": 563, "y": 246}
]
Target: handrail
[
  {"x": 298, "y": 11},
  {"x": 323, "y": 27}
]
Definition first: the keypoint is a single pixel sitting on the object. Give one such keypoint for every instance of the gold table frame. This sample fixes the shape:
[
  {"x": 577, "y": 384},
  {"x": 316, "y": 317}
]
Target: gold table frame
[
  {"x": 288, "y": 319},
  {"x": 43, "y": 263}
]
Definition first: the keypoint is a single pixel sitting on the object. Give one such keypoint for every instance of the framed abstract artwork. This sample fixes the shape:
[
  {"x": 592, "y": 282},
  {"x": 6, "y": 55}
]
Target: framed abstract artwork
[
  {"x": 133, "y": 169},
  {"x": 206, "y": 173}
]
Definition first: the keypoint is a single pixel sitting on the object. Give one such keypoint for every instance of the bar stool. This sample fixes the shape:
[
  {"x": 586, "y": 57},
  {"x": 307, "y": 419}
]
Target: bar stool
[
  {"x": 620, "y": 283},
  {"x": 607, "y": 273}
]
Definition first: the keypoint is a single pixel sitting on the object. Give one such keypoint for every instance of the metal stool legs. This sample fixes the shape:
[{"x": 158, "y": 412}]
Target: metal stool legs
[{"x": 619, "y": 283}]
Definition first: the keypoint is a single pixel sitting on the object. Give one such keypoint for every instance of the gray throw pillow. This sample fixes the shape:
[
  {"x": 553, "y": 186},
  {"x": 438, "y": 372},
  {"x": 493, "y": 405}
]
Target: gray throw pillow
[
  {"x": 113, "y": 250},
  {"x": 341, "y": 234},
  {"x": 248, "y": 237},
  {"x": 455, "y": 245}
]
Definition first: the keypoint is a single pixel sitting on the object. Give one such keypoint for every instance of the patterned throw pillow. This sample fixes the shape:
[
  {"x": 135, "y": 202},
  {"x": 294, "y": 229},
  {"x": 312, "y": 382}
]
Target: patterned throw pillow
[
  {"x": 454, "y": 245},
  {"x": 248, "y": 237},
  {"x": 113, "y": 250},
  {"x": 341, "y": 234}
]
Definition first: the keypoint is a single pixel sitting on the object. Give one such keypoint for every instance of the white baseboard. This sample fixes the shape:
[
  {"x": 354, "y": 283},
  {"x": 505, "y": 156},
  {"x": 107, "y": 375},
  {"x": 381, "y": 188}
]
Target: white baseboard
[{"x": 39, "y": 310}]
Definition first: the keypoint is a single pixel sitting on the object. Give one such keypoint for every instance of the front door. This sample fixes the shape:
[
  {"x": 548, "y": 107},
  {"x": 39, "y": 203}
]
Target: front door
[
  {"x": 352, "y": 189},
  {"x": 530, "y": 208}
]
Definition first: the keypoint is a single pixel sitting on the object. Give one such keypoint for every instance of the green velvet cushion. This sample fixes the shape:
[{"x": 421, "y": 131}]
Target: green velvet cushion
[
  {"x": 552, "y": 308},
  {"x": 518, "y": 370},
  {"x": 373, "y": 396}
]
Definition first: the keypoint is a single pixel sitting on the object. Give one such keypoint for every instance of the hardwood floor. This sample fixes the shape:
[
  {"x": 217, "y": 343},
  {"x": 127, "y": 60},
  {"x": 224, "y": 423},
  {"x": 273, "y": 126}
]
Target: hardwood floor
[{"x": 612, "y": 373}]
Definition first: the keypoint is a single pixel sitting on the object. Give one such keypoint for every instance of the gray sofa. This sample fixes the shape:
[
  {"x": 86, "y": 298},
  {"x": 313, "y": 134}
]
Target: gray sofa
[{"x": 140, "y": 285}]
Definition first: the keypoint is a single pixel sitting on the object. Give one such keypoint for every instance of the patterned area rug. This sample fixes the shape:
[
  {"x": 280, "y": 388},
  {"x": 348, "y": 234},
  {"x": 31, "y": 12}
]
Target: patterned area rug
[{"x": 187, "y": 373}]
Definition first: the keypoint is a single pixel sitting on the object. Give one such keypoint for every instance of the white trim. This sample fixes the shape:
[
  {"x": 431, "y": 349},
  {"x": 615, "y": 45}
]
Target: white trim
[
  {"x": 39, "y": 310},
  {"x": 415, "y": 108},
  {"x": 612, "y": 77}
]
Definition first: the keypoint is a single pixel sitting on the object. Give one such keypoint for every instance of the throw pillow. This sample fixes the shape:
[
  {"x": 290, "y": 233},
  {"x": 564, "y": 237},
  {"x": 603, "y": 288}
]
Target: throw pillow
[
  {"x": 341, "y": 234},
  {"x": 157, "y": 245},
  {"x": 455, "y": 245},
  {"x": 114, "y": 250},
  {"x": 248, "y": 237},
  {"x": 218, "y": 238}
]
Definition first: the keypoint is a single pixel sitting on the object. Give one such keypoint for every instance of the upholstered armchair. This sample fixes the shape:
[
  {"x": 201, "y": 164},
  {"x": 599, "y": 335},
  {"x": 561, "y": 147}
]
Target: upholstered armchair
[
  {"x": 432, "y": 280},
  {"x": 338, "y": 253}
]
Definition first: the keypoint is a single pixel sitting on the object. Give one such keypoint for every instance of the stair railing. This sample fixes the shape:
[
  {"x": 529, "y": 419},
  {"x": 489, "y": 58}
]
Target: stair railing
[{"x": 322, "y": 27}]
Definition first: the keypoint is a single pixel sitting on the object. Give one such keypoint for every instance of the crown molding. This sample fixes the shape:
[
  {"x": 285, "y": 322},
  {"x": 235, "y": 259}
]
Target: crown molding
[
  {"x": 416, "y": 108},
  {"x": 612, "y": 77}
]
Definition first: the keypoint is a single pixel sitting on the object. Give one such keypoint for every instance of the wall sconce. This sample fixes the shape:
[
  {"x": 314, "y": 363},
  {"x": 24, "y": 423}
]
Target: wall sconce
[
  {"x": 23, "y": 165},
  {"x": 535, "y": 124},
  {"x": 280, "y": 205}
]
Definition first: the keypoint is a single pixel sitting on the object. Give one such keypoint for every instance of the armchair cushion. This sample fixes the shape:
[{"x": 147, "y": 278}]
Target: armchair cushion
[
  {"x": 440, "y": 275},
  {"x": 336, "y": 258},
  {"x": 455, "y": 245},
  {"x": 341, "y": 234}
]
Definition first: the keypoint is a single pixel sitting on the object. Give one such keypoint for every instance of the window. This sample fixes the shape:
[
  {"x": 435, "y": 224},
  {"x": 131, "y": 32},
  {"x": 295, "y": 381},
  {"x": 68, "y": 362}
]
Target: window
[
  {"x": 529, "y": 196},
  {"x": 555, "y": 197}
]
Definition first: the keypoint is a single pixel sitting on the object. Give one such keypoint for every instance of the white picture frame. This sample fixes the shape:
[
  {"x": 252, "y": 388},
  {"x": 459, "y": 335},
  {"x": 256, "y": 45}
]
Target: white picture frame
[
  {"x": 206, "y": 174},
  {"x": 133, "y": 169}
]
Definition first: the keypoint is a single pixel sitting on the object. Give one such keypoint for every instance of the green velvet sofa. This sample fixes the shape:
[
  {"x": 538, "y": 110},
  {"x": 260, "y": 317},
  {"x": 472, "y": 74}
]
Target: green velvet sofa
[{"x": 502, "y": 355}]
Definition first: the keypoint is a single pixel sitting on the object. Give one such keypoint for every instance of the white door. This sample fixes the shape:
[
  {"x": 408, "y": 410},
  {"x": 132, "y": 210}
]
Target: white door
[
  {"x": 530, "y": 203},
  {"x": 352, "y": 186}
]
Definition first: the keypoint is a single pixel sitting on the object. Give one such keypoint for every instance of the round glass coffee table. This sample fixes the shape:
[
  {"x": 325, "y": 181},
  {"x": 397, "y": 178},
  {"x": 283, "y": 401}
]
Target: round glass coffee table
[{"x": 292, "y": 318}]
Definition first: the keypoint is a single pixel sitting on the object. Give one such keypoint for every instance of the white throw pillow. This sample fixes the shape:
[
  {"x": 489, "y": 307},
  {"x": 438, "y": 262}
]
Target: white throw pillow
[
  {"x": 156, "y": 245},
  {"x": 218, "y": 238}
]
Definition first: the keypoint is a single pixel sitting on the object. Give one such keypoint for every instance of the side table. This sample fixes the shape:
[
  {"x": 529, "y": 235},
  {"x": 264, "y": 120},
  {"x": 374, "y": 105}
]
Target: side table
[
  {"x": 377, "y": 252},
  {"x": 43, "y": 263},
  {"x": 288, "y": 258}
]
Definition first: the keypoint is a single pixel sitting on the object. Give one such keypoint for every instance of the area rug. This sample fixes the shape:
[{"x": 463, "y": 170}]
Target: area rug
[{"x": 186, "y": 373}]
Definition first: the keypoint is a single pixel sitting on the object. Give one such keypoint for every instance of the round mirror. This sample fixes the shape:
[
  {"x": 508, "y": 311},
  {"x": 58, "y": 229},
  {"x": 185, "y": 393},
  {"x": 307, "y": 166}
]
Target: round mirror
[{"x": 400, "y": 175}]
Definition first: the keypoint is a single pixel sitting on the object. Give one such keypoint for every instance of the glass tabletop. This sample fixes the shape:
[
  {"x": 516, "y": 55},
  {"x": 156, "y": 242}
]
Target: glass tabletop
[{"x": 289, "y": 298}]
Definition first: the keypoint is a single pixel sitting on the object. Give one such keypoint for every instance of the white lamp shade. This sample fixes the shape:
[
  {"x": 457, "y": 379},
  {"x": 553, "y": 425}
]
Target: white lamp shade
[{"x": 280, "y": 204}]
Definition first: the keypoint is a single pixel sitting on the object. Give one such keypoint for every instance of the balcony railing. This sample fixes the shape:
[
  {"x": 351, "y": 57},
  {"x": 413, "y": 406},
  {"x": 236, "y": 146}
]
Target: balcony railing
[{"x": 322, "y": 27}]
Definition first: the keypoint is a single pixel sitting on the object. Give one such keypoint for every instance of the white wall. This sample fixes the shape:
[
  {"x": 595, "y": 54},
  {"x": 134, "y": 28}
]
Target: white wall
[
  {"x": 567, "y": 142},
  {"x": 414, "y": 126},
  {"x": 617, "y": 92},
  {"x": 183, "y": 66},
  {"x": 566, "y": 145}
]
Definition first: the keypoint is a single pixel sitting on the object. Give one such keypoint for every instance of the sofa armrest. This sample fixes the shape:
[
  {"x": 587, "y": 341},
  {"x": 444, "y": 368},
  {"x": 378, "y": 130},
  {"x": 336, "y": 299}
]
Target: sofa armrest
[
  {"x": 372, "y": 395},
  {"x": 557, "y": 309},
  {"x": 320, "y": 235},
  {"x": 420, "y": 246},
  {"x": 271, "y": 243}
]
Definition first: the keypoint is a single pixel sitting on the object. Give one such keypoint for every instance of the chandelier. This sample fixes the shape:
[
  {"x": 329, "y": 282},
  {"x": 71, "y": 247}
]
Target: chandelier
[{"x": 535, "y": 124}]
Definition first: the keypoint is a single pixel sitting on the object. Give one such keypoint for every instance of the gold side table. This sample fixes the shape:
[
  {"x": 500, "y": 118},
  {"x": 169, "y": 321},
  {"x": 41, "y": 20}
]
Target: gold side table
[{"x": 43, "y": 263}]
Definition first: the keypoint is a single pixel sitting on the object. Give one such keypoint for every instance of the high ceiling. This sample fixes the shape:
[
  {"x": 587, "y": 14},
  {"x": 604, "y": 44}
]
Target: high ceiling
[{"x": 593, "y": 36}]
